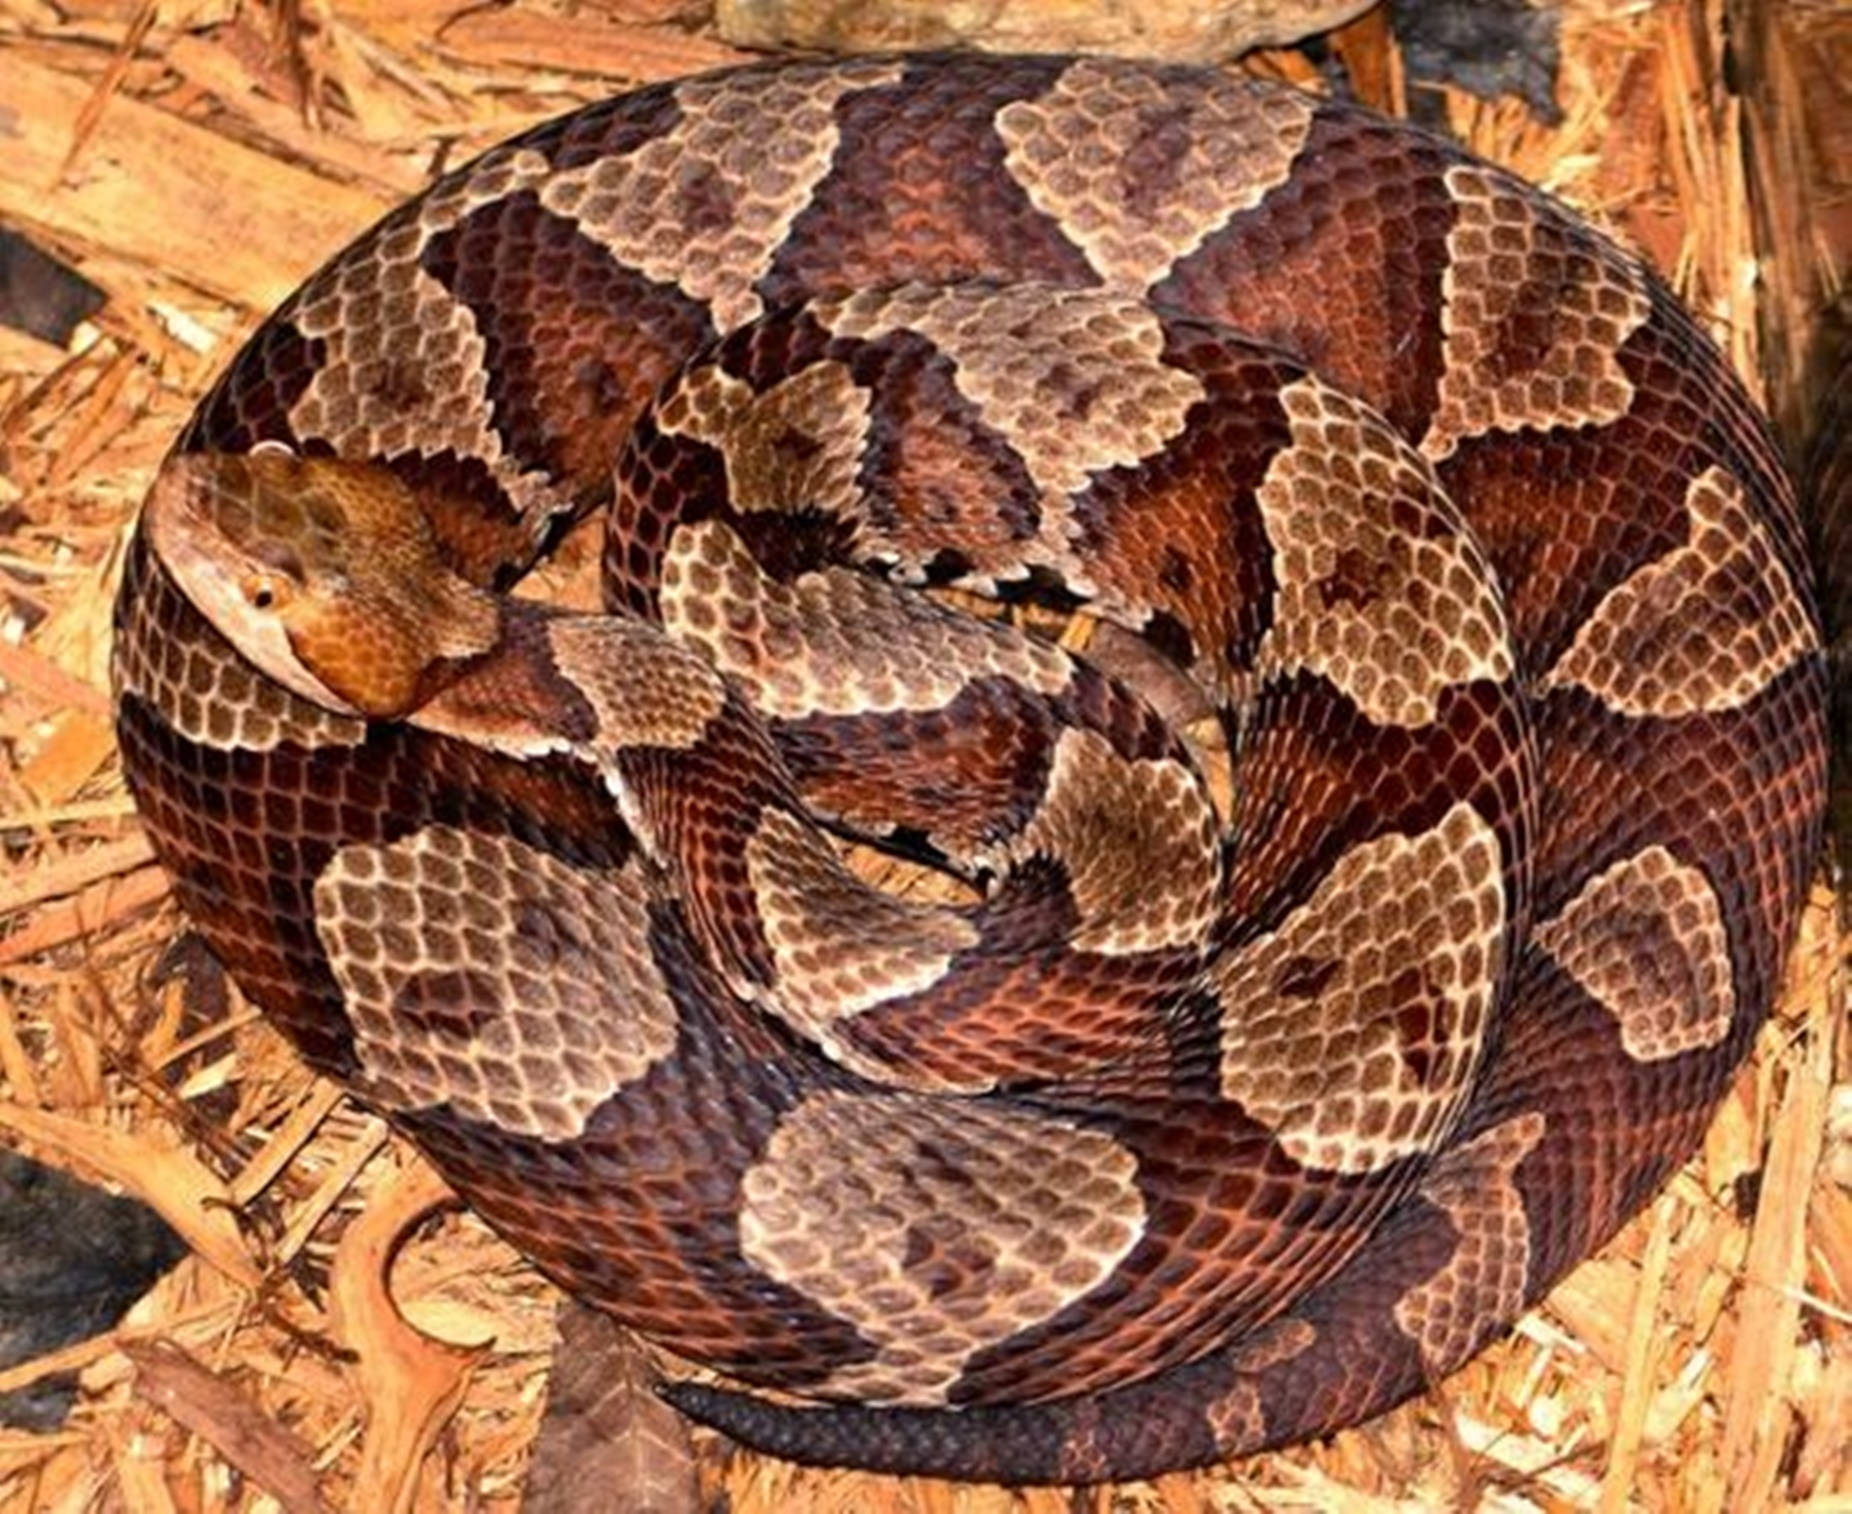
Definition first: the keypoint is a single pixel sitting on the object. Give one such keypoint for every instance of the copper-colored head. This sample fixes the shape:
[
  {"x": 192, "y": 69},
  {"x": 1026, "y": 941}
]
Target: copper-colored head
[{"x": 323, "y": 573}]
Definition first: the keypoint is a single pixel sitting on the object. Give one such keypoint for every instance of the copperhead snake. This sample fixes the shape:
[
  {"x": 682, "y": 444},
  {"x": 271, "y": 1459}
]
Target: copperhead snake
[{"x": 1216, "y": 1111}]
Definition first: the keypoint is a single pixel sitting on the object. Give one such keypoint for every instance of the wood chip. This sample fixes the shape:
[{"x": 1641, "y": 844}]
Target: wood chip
[
  {"x": 215, "y": 1410},
  {"x": 239, "y": 223},
  {"x": 409, "y": 1382},
  {"x": 1759, "y": 1410}
]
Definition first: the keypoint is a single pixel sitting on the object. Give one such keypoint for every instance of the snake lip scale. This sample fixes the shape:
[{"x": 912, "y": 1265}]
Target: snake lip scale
[{"x": 1362, "y": 913}]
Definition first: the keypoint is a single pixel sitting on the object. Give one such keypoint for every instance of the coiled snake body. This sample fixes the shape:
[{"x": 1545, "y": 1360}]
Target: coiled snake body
[{"x": 1359, "y": 926}]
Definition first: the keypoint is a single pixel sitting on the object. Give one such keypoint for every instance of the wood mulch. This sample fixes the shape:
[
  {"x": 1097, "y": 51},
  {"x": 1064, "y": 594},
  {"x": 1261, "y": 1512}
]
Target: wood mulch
[{"x": 195, "y": 161}]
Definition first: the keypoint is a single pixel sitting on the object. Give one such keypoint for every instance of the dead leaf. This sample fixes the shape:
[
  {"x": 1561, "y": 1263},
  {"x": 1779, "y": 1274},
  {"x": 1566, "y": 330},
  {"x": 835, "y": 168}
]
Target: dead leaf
[
  {"x": 225, "y": 1416},
  {"x": 606, "y": 1429}
]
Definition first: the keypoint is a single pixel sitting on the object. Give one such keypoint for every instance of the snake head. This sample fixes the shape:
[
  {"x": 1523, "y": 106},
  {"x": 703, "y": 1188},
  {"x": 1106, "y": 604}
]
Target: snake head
[{"x": 323, "y": 573}]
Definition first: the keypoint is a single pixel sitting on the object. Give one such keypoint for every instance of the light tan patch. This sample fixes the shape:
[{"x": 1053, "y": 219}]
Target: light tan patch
[
  {"x": 643, "y": 688},
  {"x": 835, "y": 642},
  {"x": 405, "y": 367},
  {"x": 839, "y": 945},
  {"x": 1379, "y": 589},
  {"x": 797, "y": 446},
  {"x": 1705, "y": 628},
  {"x": 1535, "y": 314},
  {"x": 1073, "y": 379},
  {"x": 485, "y": 974},
  {"x": 1645, "y": 938},
  {"x": 1138, "y": 170},
  {"x": 1353, "y": 1030},
  {"x": 1237, "y": 1419},
  {"x": 937, "y": 1228},
  {"x": 1480, "y": 1288},
  {"x": 706, "y": 206},
  {"x": 1138, "y": 841}
]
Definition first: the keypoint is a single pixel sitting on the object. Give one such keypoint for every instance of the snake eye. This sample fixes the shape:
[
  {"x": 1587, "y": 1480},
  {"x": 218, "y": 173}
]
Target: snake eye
[{"x": 264, "y": 591}]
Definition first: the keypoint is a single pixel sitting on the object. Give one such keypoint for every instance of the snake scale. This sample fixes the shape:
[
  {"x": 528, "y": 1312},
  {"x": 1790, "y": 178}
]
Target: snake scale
[{"x": 1358, "y": 908}]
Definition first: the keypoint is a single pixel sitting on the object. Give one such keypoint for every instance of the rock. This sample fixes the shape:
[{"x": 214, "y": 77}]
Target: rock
[
  {"x": 72, "y": 1260},
  {"x": 1177, "y": 30}
]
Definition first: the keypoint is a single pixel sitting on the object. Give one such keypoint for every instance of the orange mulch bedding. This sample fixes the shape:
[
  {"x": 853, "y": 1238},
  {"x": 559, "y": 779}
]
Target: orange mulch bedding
[{"x": 196, "y": 161}]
